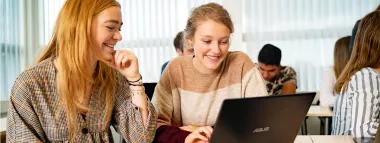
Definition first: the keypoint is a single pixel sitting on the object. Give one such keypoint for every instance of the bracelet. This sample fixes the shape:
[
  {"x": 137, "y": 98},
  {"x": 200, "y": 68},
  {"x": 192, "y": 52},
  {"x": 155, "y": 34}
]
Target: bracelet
[
  {"x": 136, "y": 80},
  {"x": 131, "y": 84}
]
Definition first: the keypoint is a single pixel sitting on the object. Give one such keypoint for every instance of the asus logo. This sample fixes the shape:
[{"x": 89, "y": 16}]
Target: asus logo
[{"x": 258, "y": 130}]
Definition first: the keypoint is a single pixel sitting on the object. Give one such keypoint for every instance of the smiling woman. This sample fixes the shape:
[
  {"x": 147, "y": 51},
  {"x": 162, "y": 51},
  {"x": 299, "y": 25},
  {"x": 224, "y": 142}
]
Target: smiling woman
[
  {"x": 192, "y": 88},
  {"x": 105, "y": 30},
  {"x": 81, "y": 85}
]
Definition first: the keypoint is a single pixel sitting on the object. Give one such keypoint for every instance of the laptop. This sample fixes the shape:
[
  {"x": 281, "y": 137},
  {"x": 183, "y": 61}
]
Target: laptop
[{"x": 269, "y": 119}]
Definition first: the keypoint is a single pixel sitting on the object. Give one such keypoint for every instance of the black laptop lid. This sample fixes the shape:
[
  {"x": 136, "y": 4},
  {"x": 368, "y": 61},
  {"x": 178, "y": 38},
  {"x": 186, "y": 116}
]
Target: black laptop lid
[{"x": 269, "y": 119}]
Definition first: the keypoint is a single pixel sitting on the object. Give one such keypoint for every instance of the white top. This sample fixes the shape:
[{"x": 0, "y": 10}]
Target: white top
[
  {"x": 327, "y": 97},
  {"x": 356, "y": 111}
]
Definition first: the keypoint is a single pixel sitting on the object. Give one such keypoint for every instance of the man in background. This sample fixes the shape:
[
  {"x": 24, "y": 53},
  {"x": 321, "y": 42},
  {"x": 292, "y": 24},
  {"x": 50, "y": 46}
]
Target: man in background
[
  {"x": 180, "y": 47},
  {"x": 280, "y": 79}
]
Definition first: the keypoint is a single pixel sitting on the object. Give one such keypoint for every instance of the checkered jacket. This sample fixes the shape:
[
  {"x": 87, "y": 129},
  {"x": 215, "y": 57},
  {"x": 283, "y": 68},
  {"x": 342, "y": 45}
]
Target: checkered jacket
[{"x": 34, "y": 115}]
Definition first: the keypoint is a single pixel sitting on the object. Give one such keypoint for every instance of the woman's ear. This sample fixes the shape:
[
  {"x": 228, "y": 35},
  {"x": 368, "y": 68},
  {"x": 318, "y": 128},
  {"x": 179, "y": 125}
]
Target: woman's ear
[
  {"x": 179, "y": 52},
  {"x": 190, "y": 41}
]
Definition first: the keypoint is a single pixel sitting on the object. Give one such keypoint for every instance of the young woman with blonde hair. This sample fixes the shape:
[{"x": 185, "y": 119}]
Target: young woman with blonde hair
[
  {"x": 356, "y": 110},
  {"x": 81, "y": 85},
  {"x": 192, "y": 88}
]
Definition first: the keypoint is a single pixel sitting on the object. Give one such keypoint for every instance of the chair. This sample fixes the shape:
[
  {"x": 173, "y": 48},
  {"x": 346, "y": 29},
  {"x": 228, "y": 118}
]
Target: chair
[
  {"x": 149, "y": 89},
  {"x": 2, "y": 137}
]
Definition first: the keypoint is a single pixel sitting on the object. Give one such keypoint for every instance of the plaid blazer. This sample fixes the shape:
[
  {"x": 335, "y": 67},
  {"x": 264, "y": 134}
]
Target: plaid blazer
[{"x": 34, "y": 114}]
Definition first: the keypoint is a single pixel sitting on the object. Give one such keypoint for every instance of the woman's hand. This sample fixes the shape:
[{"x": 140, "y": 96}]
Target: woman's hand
[
  {"x": 200, "y": 135},
  {"x": 189, "y": 128},
  {"x": 127, "y": 64}
]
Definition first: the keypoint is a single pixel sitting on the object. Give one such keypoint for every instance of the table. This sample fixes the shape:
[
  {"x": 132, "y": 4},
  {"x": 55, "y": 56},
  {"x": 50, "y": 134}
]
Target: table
[
  {"x": 323, "y": 139},
  {"x": 323, "y": 112},
  {"x": 319, "y": 111},
  {"x": 303, "y": 139},
  {"x": 331, "y": 139}
]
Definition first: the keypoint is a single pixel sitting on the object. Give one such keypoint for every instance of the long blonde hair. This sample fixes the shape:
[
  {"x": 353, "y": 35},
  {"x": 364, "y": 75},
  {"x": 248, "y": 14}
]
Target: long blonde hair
[
  {"x": 70, "y": 46},
  {"x": 366, "y": 50}
]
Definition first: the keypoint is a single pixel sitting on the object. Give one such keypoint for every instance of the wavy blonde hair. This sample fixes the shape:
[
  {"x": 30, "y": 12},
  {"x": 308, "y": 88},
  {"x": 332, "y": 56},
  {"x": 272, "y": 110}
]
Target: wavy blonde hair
[
  {"x": 71, "y": 46},
  {"x": 210, "y": 11},
  {"x": 366, "y": 50}
]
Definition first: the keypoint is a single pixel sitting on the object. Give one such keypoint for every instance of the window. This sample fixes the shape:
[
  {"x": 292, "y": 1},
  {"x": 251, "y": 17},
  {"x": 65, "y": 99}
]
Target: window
[
  {"x": 308, "y": 27},
  {"x": 11, "y": 52},
  {"x": 19, "y": 41},
  {"x": 10, "y": 47},
  {"x": 305, "y": 31},
  {"x": 149, "y": 29}
]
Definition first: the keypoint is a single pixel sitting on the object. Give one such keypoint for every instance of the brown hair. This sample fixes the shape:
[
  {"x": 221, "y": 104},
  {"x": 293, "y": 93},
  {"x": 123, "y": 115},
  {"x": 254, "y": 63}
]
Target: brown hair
[
  {"x": 210, "y": 11},
  {"x": 366, "y": 50},
  {"x": 71, "y": 46},
  {"x": 341, "y": 54},
  {"x": 178, "y": 41}
]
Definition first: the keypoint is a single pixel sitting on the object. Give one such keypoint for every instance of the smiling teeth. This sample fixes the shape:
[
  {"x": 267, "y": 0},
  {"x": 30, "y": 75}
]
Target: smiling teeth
[
  {"x": 109, "y": 45},
  {"x": 213, "y": 57}
]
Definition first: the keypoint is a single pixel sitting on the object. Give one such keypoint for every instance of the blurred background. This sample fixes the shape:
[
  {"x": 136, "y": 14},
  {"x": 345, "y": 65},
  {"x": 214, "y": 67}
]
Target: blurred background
[{"x": 305, "y": 31}]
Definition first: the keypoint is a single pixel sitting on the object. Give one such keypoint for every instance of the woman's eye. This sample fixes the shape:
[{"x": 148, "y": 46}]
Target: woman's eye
[
  {"x": 207, "y": 42},
  {"x": 110, "y": 28}
]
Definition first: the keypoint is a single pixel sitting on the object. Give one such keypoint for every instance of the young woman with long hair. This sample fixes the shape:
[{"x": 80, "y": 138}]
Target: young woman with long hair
[{"x": 81, "y": 85}]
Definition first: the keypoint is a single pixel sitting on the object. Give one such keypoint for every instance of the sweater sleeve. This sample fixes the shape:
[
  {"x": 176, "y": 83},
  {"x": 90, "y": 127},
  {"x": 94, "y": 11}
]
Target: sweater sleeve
[
  {"x": 23, "y": 122},
  {"x": 163, "y": 102},
  {"x": 253, "y": 84},
  {"x": 127, "y": 118},
  {"x": 170, "y": 134}
]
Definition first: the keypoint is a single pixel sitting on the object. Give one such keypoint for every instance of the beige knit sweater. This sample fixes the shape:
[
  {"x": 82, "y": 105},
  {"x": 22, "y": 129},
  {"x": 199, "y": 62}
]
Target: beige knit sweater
[{"x": 184, "y": 96}]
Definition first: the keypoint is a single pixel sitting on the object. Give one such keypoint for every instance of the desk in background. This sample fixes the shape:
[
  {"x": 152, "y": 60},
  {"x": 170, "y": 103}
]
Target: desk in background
[
  {"x": 332, "y": 139},
  {"x": 319, "y": 111},
  {"x": 303, "y": 139},
  {"x": 323, "y": 112}
]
